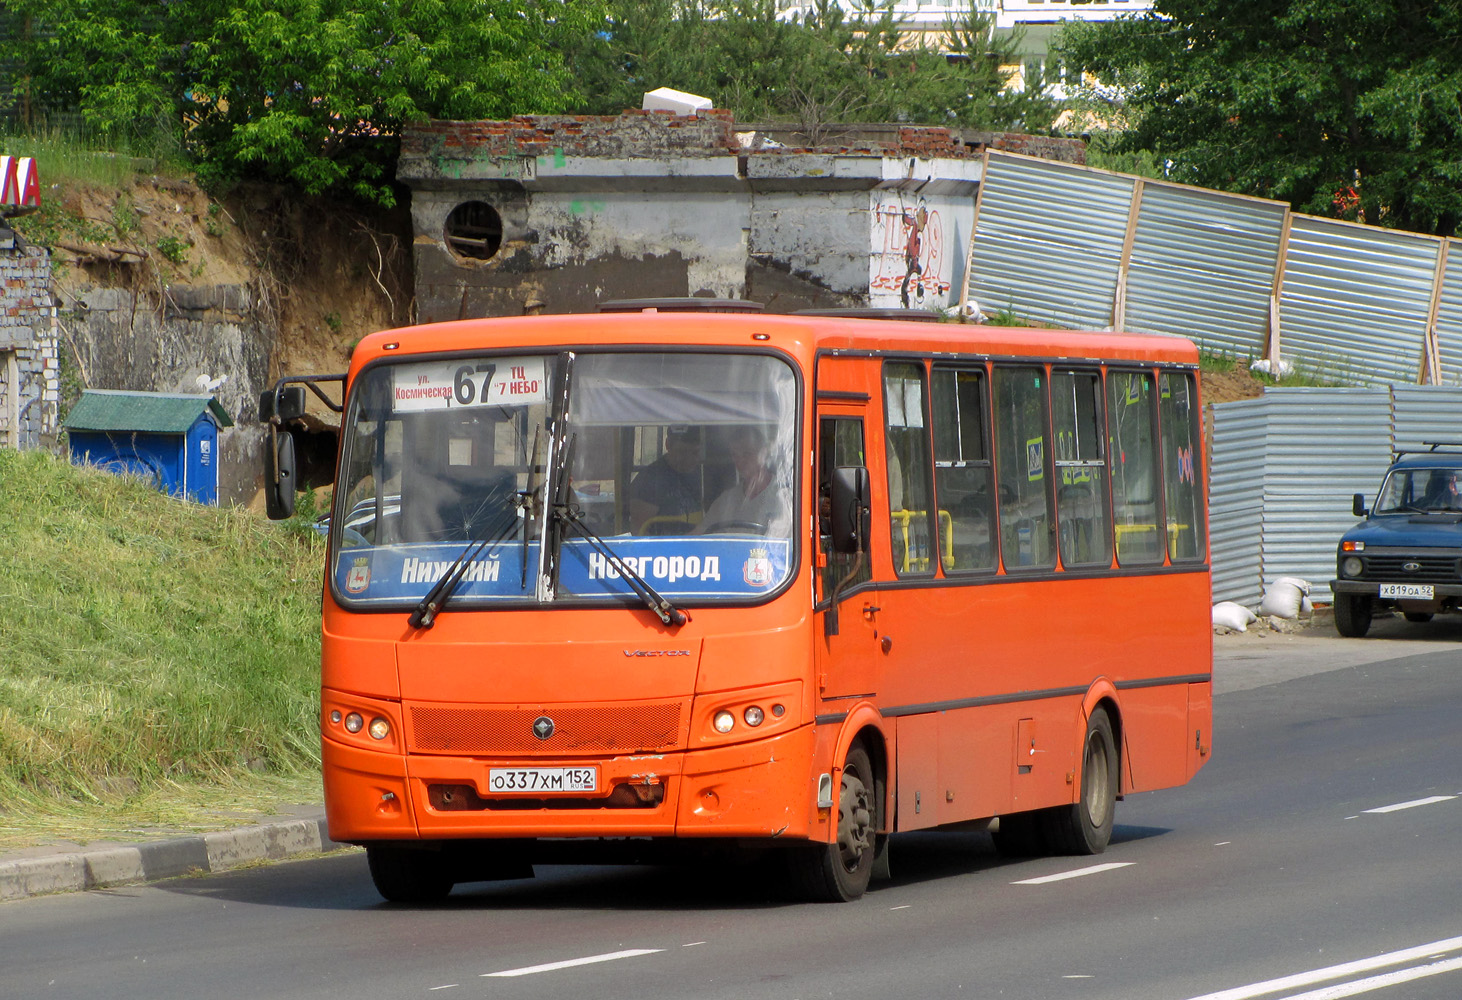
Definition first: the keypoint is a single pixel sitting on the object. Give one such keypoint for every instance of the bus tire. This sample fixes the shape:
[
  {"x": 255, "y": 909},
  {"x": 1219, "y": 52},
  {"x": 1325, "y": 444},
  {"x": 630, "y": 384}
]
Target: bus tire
[
  {"x": 1352, "y": 615},
  {"x": 839, "y": 872},
  {"x": 406, "y": 875},
  {"x": 1085, "y": 826}
]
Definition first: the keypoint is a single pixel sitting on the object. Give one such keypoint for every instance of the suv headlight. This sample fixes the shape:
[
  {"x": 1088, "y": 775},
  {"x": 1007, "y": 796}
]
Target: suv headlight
[{"x": 1351, "y": 566}]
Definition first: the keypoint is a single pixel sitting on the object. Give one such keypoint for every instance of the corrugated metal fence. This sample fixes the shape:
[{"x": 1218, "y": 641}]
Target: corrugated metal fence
[
  {"x": 1241, "y": 276},
  {"x": 1285, "y": 466}
]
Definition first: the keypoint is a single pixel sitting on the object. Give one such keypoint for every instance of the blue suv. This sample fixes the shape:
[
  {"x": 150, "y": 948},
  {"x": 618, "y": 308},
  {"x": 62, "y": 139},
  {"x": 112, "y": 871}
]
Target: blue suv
[{"x": 1407, "y": 553}]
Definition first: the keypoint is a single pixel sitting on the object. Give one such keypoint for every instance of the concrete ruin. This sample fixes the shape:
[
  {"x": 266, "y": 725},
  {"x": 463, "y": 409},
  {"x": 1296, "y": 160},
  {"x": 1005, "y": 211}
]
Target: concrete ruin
[
  {"x": 559, "y": 213},
  {"x": 30, "y": 385}
]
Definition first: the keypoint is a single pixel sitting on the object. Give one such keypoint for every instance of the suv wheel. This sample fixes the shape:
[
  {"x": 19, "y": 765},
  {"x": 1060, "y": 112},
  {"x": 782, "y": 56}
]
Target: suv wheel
[{"x": 1352, "y": 615}]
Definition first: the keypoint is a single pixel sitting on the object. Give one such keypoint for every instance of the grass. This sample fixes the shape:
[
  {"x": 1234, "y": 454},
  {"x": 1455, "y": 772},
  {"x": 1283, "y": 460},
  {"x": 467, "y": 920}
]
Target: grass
[
  {"x": 68, "y": 161},
  {"x": 66, "y": 156},
  {"x": 1209, "y": 362},
  {"x": 158, "y": 659}
]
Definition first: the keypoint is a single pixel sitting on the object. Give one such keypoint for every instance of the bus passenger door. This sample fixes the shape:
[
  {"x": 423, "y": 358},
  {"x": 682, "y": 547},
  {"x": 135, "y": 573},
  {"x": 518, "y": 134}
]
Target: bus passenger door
[{"x": 847, "y": 598}]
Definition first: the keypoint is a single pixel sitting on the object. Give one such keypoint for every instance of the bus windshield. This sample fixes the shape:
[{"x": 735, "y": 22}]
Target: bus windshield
[{"x": 681, "y": 463}]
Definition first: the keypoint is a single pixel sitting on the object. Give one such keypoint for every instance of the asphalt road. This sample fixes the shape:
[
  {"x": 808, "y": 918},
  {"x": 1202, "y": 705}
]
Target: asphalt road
[{"x": 1316, "y": 857}]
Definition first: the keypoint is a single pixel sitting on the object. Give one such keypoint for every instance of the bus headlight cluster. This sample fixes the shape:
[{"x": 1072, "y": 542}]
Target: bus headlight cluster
[
  {"x": 354, "y": 723},
  {"x": 752, "y": 716}
]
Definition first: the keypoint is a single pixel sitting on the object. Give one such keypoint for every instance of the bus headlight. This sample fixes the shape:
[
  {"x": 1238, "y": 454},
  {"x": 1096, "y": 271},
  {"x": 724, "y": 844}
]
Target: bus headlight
[
  {"x": 1350, "y": 566},
  {"x": 723, "y": 721},
  {"x": 380, "y": 728},
  {"x": 753, "y": 716},
  {"x": 354, "y": 723}
]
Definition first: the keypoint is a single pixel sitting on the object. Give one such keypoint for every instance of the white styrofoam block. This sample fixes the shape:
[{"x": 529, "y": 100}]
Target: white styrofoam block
[{"x": 677, "y": 101}]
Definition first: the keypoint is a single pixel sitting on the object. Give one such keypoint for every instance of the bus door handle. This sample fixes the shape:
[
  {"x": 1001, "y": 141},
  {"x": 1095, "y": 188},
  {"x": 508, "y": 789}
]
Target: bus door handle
[{"x": 869, "y": 610}]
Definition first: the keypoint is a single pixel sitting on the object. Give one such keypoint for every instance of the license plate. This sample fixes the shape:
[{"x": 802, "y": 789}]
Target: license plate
[
  {"x": 1414, "y": 591},
  {"x": 542, "y": 779}
]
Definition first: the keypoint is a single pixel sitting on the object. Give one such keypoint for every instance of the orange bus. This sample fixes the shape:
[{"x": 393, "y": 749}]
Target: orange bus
[{"x": 796, "y": 582}]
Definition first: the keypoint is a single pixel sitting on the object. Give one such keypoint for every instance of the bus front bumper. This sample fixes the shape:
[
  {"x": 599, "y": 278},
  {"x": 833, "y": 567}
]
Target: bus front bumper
[{"x": 758, "y": 789}]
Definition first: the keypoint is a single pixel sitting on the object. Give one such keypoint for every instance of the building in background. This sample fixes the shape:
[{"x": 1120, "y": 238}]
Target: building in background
[{"x": 1038, "y": 21}]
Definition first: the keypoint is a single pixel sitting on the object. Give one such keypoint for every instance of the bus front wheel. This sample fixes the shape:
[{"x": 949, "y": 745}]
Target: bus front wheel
[
  {"x": 839, "y": 872},
  {"x": 407, "y": 875},
  {"x": 1085, "y": 827}
]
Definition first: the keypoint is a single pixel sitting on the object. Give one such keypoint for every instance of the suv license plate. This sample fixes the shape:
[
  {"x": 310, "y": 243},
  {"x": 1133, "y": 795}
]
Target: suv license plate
[
  {"x": 542, "y": 779},
  {"x": 1414, "y": 591}
]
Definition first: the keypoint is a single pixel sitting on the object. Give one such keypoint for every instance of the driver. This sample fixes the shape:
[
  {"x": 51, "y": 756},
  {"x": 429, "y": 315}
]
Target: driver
[
  {"x": 754, "y": 500},
  {"x": 670, "y": 486},
  {"x": 1447, "y": 493}
]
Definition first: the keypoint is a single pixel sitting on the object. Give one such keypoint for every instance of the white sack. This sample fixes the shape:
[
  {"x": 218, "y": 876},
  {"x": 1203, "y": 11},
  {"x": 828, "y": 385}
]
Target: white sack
[{"x": 1234, "y": 616}]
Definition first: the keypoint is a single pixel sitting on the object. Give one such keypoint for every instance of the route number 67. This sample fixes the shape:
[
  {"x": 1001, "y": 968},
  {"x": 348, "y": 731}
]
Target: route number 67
[{"x": 464, "y": 389}]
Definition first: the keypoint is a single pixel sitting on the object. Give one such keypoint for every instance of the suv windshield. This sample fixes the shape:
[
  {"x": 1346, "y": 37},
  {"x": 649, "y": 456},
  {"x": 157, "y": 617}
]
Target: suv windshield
[
  {"x": 1412, "y": 490},
  {"x": 682, "y": 463}
]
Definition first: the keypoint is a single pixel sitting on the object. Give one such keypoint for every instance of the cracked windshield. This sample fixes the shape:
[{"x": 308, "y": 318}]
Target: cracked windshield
[{"x": 681, "y": 464}]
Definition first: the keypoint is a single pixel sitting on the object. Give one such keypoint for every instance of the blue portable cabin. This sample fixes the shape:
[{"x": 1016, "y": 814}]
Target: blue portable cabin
[{"x": 168, "y": 437}]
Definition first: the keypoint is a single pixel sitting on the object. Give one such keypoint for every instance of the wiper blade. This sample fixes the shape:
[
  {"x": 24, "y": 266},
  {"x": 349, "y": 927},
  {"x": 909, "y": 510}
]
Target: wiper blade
[
  {"x": 668, "y": 613},
  {"x": 425, "y": 613}
]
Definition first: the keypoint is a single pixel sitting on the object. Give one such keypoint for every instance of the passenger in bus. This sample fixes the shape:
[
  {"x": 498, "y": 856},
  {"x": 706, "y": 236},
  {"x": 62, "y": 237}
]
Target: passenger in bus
[
  {"x": 669, "y": 488},
  {"x": 754, "y": 503}
]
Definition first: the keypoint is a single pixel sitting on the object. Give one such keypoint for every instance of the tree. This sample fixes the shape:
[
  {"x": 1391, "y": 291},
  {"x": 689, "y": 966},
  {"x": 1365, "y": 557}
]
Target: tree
[
  {"x": 1341, "y": 109},
  {"x": 311, "y": 92},
  {"x": 834, "y": 67}
]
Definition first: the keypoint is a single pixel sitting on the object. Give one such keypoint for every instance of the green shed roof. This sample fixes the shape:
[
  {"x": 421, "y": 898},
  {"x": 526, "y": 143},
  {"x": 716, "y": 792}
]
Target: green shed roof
[{"x": 149, "y": 412}]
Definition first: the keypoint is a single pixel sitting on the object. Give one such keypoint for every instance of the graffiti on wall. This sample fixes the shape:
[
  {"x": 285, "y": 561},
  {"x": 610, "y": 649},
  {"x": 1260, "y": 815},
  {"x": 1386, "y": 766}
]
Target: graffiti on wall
[{"x": 908, "y": 252}]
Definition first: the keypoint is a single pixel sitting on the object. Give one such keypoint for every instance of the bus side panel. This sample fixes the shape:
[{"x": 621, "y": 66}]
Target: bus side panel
[
  {"x": 1200, "y": 725},
  {"x": 918, "y": 772},
  {"x": 1155, "y": 727},
  {"x": 1030, "y": 651}
]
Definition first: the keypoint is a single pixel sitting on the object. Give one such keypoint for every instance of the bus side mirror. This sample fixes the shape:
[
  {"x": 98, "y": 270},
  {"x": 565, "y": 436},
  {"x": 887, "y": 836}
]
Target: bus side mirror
[
  {"x": 851, "y": 516},
  {"x": 1358, "y": 504},
  {"x": 282, "y": 405},
  {"x": 279, "y": 475}
]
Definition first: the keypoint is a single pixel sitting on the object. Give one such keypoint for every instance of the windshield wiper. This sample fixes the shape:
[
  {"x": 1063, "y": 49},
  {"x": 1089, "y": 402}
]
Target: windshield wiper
[
  {"x": 425, "y": 613},
  {"x": 668, "y": 613}
]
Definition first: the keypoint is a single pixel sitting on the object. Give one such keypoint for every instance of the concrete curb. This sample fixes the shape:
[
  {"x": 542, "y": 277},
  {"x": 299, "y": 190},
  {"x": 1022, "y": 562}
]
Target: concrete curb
[{"x": 208, "y": 852}]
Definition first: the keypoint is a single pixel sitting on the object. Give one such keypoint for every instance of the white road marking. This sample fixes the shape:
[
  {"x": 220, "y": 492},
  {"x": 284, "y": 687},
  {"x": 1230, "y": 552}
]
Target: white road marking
[
  {"x": 449, "y": 986},
  {"x": 904, "y": 907},
  {"x": 1062, "y": 876},
  {"x": 1336, "y": 971},
  {"x": 1223, "y": 843},
  {"x": 692, "y": 944},
  {"x": 1380, "y": 982},
  {"x": 570, "y": 963},
  {"x": 1412, "y": 804}
]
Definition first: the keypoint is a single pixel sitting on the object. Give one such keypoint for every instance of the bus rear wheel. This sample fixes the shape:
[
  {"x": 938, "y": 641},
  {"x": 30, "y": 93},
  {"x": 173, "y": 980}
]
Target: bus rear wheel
[
  {"x": 408, "y": 875},
  {"x": 1352, "y": 615},
  {"x": 839, "y": 872},
  {"x": 1085, "y": 826}
]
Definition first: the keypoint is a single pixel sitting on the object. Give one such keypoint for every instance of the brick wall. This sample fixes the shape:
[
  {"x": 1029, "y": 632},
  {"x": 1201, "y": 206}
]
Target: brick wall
[
  {"x": 638, "y": 134},
  {"x": 30, "y": 383}
]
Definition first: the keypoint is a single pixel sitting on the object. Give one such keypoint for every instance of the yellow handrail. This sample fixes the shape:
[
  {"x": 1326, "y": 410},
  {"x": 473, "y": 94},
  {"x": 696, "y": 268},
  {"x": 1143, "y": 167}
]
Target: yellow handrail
[{"x": 947, "y": 522}]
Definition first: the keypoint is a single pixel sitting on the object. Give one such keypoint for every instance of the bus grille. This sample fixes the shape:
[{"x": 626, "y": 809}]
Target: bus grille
[{"x": 577, "y": 729}]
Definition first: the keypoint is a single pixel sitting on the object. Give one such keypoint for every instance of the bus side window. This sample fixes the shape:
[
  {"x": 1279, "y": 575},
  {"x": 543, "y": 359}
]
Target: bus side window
[
  {"x": 1182, "y": 466},
  {"x": 962, "y": 473},
  {"x": 840, "y": 443},
  {"x": 1021, "y": 459},
  {"x": 1133, "y": 449},
  {"x": 1081, "y": 481},
  {"x": 906, "y": 436}
]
